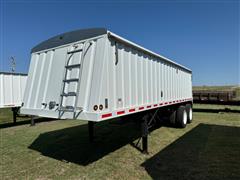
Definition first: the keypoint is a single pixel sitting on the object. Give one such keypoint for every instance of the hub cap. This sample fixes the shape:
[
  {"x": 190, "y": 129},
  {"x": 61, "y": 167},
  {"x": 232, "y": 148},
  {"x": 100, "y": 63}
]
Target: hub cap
[
  {"x": 185, "y": 117},
  {"x": 190, "y": 114}
]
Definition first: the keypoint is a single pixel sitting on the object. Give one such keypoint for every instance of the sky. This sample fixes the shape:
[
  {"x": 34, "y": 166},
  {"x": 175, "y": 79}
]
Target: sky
[{"x": 201, "y": 35}]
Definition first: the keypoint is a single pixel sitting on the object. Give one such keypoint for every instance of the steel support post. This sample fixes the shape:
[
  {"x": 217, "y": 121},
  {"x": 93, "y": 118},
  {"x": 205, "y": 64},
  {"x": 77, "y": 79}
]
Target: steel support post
[
  {"x": 144, "y": 125},
  {"x": 32, "y": 121},
  {"x": 14, "y": 110}
]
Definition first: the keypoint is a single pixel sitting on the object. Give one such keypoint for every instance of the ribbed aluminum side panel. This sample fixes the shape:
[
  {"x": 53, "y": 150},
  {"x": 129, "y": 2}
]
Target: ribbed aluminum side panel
[
  {"x": 141, "y": 79},
  {"x": 12, "y": 88}
]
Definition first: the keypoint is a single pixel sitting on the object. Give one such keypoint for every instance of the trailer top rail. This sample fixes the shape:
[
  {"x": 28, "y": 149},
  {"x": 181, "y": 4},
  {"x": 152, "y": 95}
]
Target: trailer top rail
[{"x": 78, "y": 35}]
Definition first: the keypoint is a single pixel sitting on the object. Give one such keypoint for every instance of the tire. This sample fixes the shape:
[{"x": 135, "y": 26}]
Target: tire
[
  {"x": 189, "y": 113},
  {"x": 181, "y": 119},
  {"x": 172, "y": 117}
]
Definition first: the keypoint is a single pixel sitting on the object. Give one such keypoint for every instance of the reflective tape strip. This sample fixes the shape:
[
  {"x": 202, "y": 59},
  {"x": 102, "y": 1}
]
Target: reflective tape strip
[
  {"x": 106, "y": 115},
  {"x": 149, "y": 106},
  {"x": 132, "y": 110},
  {"x": 120, "y": 112}
]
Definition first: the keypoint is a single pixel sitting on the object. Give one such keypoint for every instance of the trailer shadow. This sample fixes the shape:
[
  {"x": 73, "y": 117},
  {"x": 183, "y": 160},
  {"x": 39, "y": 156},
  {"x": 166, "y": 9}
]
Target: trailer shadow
[
  {"x": 206, "y": 152},
  {"x": 24, "y": 122},
  {"x": 72, "y": 144}
]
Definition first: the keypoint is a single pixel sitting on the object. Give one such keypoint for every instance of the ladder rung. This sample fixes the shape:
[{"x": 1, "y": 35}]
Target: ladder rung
[
  {"x": 69, "y": 94},
  {"x": 73, "y": 66},
  {"x": 74, "y": 51},
  {"x": 67, "y": 108},
  {"x": 71, "y": 80}
]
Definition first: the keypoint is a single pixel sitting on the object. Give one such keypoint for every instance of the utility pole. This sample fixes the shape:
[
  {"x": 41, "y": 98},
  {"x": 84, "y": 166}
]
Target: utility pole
[
  {"x": 13, "y": 63},
  {"x": 14, "y": 109}
]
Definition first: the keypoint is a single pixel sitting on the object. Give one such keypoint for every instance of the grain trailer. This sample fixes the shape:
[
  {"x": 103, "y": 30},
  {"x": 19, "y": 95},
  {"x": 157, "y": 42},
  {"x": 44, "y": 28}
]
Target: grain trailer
[
  {"x": 12, "y": 86},
  {"x": 96, "y": 75}
]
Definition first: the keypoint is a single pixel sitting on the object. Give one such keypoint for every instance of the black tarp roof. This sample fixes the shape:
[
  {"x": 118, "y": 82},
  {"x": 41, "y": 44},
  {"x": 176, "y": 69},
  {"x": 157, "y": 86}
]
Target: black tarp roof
[{"x": 69, "y": 37}]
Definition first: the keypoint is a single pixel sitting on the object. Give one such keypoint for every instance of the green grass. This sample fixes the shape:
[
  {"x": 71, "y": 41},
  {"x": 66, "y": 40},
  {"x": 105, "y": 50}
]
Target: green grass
[
  {"x": 217, "y": 88},
  {"x": 208, "y": 148},
  {"x": 6, "y": 116}
]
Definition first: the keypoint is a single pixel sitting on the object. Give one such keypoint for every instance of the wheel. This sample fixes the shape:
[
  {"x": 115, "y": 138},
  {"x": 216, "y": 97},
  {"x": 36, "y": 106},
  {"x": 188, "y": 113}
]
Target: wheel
[
  {"x": 189, "y": 113},
  {"x": 181, "y": 119}
]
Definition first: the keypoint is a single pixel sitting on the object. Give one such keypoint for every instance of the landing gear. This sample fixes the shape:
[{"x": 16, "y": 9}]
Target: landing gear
[
  {"x": 144, "y": 126},
  {"x": 32, "y": 121},
  {"x": 15, "y": 113},
  {"x": 148, "y": 121}
]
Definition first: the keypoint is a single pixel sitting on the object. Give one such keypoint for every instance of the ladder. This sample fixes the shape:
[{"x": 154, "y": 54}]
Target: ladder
[{"x": 67, "y": 81}]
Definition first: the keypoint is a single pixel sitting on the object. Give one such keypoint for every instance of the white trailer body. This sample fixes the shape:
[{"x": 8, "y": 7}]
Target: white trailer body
[
  {"x": 12, "y": 86},
  {"x": 94, "y": 75}
]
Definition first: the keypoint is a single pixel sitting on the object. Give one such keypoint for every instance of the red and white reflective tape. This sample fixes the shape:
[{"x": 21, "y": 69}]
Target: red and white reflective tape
[
  {"x": 106, "y": 115},
  {"x": 131, "y": 110},
  {"x": 122, "y": 112},
  {"x": 141, "y": 108}
]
